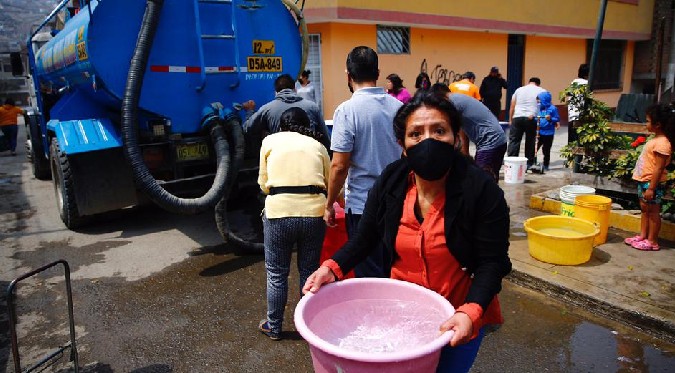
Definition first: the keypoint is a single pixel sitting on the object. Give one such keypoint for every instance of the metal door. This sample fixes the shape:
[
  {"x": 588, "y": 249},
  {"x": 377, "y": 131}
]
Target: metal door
[{"x": 514, "y": 68}]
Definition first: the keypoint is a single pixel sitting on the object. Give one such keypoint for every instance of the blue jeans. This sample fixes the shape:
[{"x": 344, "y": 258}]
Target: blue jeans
[
  {"x": 11, "y": 132},
  {"x": 459, "y": 359},
  {"x": 281, "y": 235}
]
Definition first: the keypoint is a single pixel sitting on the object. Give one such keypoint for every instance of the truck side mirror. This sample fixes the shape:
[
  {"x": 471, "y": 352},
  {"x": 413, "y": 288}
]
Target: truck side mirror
[{"x": 17, "y": 64}]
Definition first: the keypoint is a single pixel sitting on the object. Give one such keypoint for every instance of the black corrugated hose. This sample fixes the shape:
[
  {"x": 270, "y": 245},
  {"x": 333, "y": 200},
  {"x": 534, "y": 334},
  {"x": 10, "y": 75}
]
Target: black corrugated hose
[
  {"x": 142, "y": 176},
  {"x": 224, "y": 132},
  {"x": 236, "y": 134}
]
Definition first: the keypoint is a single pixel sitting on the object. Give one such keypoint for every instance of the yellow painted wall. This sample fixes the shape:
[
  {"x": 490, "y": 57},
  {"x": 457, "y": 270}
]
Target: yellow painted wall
[
  {"x": 337, "y": 40},
  {"x": 569, "y": 13},
  {"x": 446, "y": 53},
  {"x": 554, "y": 60}
]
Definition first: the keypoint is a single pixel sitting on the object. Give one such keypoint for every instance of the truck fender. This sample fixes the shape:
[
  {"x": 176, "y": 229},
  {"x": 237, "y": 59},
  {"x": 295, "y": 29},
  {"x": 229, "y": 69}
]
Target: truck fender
[{"x": 86, "y": 135}]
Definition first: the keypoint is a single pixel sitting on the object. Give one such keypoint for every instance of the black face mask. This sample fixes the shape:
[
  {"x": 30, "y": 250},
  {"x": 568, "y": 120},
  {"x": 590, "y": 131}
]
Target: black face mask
[{"x": 431, "y": 159}]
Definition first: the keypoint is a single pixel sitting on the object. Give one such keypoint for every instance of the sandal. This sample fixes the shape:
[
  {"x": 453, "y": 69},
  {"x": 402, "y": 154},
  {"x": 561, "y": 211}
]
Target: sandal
[
  {"x": 646, "y": 245},
  {"x": 631, "y": 240},
  {"x": 264, "y": 328}
]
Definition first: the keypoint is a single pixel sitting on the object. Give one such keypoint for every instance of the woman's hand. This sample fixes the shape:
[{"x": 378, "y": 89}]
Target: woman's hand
[
  {"x": 461, "y": 324},
  {"x": 321, "y": 276}
]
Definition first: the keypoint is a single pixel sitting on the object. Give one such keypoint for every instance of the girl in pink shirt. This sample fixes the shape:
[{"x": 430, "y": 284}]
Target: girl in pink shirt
[
  {"x": 650, "y": 173},
  {"x": 395, "y": 88}
]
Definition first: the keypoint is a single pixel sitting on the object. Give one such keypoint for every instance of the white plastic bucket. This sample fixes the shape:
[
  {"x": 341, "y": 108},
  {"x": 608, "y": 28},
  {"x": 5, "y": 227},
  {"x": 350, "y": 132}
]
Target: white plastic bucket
[
  {"x": 568, "y": 194},
  {"x": 514, "y": 170}
]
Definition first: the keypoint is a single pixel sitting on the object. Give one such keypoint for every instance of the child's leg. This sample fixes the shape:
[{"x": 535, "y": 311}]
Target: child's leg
[
  {"x": 655, "y": 214},
  {"x": 547, "y": 142},
  {"x": 651, "y": 217},
  {"x": 654, "y": 223},
  {"x": 644, "y": 219}
]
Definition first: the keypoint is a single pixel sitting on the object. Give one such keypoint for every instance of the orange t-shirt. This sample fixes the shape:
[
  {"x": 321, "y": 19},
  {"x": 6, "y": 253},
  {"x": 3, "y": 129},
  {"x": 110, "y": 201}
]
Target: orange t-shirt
[
  {"x": 8, "y": 114},
  {"x": 424, "y": 259},
  {"x": 464, "y": 86},
  {"x": 646, "y": 163}
]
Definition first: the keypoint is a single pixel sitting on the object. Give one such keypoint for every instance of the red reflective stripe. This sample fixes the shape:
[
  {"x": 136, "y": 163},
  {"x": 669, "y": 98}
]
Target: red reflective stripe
[
  {"x": 175, "y": 69},
  {"x": 159, "y": 69},
  {"x": 225, "y": 68}
]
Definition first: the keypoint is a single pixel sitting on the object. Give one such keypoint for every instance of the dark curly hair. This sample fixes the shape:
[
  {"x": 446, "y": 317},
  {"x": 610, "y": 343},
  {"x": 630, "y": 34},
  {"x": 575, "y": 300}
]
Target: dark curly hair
[
  {"x": 396, "y": 82},
  {"x": 423, "y": 81},
  {"x": 431, "y": 100},
  {"x": 296, "y": 120},
  {"x": 663, "y": 115}
]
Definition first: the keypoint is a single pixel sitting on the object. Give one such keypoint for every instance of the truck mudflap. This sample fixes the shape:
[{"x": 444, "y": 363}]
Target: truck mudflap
[
  {"x": 86, "y": 135},
  {"x": 103, "y": 181}
]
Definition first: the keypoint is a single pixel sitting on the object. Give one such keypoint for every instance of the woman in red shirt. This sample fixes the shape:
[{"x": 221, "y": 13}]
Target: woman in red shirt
[{"x": 444, "y": 221}]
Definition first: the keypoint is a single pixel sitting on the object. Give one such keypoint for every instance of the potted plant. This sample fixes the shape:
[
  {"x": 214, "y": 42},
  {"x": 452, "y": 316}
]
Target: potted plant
[{"x": 595, "y": 150}]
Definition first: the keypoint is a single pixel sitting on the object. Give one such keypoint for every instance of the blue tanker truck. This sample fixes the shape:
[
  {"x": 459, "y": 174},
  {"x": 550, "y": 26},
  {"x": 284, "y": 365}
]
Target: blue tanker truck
[{"x": 138, "y": 100}]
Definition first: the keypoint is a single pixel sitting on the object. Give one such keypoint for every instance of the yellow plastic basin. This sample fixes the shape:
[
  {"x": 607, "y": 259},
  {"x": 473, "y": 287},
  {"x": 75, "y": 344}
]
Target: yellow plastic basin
[{"x": 560, "y": 239}]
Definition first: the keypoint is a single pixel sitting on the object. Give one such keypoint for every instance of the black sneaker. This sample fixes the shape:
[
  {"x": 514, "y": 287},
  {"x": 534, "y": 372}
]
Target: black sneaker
[{"x": 264, "y": 328}]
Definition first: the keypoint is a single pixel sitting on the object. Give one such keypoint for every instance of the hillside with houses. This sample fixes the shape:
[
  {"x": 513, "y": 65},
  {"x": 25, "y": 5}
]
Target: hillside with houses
[{"x": 18, "y": 18}]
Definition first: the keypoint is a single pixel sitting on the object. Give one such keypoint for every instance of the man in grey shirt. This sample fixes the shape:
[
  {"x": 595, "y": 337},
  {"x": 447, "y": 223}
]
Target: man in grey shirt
[
  {"x": 266, "y": 120},
  {"x": 481, "y": 127},
  {"x": 363, "y": 144},
  {"x": 524, "y": 109}
]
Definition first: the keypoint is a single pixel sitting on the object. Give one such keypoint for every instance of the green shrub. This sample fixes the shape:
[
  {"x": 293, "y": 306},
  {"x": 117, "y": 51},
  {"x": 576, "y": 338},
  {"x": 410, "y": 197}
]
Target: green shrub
[{"x": 595, "y": 137}]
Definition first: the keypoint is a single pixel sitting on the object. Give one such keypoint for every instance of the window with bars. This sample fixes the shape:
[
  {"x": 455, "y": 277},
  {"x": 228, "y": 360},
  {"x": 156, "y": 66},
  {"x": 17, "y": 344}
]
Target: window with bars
[
  {"x": 393, "y": 39},
  {"x": 314, "y": 66},
  {"x": 608, "y": 70}
]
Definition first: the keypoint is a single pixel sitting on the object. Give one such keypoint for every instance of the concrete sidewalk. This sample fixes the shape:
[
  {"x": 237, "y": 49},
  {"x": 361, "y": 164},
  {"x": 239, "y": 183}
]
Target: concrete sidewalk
[{"x": 620, "y": 282}]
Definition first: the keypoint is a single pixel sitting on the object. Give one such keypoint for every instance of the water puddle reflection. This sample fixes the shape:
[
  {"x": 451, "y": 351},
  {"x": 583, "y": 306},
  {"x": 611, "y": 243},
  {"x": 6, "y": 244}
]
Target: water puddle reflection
[{"x": 596, "y": 348}]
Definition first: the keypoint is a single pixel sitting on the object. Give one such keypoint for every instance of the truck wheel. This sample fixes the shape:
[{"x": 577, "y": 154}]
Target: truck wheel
[
  {"x": 35, "y": 151},
  {"x": 64, "y": 187}
]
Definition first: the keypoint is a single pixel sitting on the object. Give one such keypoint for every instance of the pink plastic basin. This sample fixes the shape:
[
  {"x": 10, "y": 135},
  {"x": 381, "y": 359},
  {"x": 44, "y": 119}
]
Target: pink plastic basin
[{"x": 373, "y": 325}]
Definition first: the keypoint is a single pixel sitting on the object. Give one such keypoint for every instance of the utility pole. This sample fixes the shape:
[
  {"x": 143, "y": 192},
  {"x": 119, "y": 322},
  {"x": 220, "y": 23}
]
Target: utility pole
[
  {"x": 660, "y": 40},
  {"x": 596, "y": 42}
]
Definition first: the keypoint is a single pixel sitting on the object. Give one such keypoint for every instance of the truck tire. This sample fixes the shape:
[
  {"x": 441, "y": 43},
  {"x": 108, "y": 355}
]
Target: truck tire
[
  {"x": 64, "y": 187},
  {"x": 35, "y": 150}
]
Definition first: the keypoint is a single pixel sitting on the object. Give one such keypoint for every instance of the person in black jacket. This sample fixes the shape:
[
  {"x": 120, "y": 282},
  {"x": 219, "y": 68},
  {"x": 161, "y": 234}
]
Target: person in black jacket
[
  {"x": 491, "y": 91},
  {"x": 444, "y": 222}
]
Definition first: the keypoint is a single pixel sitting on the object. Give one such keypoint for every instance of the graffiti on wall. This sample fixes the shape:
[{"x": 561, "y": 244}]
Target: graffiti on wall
[{"x": 440, "y": 74}]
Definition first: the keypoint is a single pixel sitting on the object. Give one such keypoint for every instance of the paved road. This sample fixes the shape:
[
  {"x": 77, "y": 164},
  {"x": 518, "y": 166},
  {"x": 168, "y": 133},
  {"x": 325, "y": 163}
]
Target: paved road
[{"x": 156, "y": 292}]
